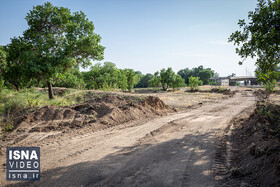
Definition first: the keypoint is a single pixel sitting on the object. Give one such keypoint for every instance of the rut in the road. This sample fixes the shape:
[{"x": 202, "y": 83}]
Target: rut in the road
[{"x": 173, "y": 150}]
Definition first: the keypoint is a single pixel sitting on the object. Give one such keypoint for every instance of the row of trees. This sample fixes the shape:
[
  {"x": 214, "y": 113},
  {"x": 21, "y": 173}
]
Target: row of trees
[
  {"x": 108, "y": 76},
  {"x": 166, "y": 78},
  {"x": 57, "y": 42},
  {"x": 203, "y": 73},
  {"x": 102, "y": 76}
]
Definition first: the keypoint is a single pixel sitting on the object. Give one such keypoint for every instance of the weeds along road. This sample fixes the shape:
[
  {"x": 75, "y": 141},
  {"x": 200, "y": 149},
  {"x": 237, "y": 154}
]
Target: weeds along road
[{"x": 174, "y": 150}]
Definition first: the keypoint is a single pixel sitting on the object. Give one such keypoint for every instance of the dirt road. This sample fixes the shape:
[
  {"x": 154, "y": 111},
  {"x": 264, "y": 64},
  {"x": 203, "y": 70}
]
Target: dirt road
[{"x": 174, "y": 150}]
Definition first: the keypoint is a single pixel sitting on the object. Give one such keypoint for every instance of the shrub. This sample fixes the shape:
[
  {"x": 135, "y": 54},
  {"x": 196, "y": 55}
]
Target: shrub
[{"x": 194, "y": 82}]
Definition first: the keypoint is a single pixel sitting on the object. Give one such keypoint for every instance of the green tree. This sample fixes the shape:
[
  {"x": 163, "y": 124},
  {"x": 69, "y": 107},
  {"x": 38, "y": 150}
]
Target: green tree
[
  {"x": 260, "y": 39},
  {"x": 194, "y": 82},
  {"x": 60, "y": 40},
  {"x": 122, "y": 80},
  {"x": 155, "y": 80},
  {"x": 144, "y": 81},
  {"x": 185, "y": 73},
  {"x": 104, "y": 76},
  {"x": 132, "y": 78},
  {"x": 16, "y": 71},
  {"x": 203, "y": 73},
  {"x": 232, "y": 75},
  {"x": 177, "y": 81},
  {"x": 166, "y": 76},
  {"x": 71, "y": 79}
]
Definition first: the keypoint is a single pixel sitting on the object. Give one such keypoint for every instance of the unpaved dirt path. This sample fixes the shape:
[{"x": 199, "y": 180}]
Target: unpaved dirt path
[{"x": 174, "y": 150}]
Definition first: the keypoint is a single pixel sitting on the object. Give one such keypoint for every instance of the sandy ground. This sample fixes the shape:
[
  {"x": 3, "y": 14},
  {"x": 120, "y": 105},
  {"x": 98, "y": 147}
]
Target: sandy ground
[
  {"x": 173, "y": 150},
  {"x": 183, "y": 100}
]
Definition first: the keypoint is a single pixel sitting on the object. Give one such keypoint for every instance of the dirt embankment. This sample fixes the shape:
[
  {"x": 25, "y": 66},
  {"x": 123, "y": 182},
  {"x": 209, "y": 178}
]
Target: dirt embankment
[
  {"x": 251, "y": 152},
  {"x": 98, "y": 113}
]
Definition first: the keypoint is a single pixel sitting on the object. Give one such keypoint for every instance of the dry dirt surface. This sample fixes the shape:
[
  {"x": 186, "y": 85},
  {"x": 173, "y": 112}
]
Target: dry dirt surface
[
  {"x": 184, "y": 99},
  {"x": 172, "y": 150}
]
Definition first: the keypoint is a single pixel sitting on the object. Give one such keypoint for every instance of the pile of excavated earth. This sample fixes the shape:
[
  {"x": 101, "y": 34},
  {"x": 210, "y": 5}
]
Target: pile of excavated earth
[
  {"x": 97, "y": 114},
  {"x": 250, "y": 153}
]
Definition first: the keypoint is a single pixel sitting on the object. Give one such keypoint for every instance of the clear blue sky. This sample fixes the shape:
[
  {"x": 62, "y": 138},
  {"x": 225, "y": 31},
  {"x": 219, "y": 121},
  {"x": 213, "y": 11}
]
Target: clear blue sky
[{"x": 148, "y": 35}]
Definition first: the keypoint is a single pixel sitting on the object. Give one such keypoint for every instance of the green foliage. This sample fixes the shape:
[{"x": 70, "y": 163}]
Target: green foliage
[
  {"x": 260, "y": 39},
  {"x": 231, "y": 75},
  {"x": 219, "y": 89},
  {"x": 56, "y": 40},
  {"x": 269, "y": 115},
  {"x": 200, "y": 71},
  {"x": 131, "y": 78},
  {"x": 144, "y": 81},
  {"x": 177, "y": 81},
  {"x": 11, "y": 101},
  {"x": 108, "y": 76},
  {"x": 166, "y": 77},
  {"x": 268, "y": 78},
  {"x": 105, "y": 76},
  {"x": 8, "y": 124},
  {"x": 32, "y": 102},
  {"x": 71, "y": 79},
  {"x": 194, "y": 82},
  {"x": 155, "y": 81},
  {"x": 270, "y": 85},
  {"x": 122, "y": 80},
  {"x": 15, "y": 71}
]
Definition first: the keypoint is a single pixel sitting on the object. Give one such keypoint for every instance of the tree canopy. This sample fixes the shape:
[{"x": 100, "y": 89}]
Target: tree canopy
[
  {"x": 166, "y": 78},
  {"x": 194, "y": 82},
  {"x": 260, "y": 39},
  {"x": 203, "y": 73},
  {"x": 56, "y": 40}
]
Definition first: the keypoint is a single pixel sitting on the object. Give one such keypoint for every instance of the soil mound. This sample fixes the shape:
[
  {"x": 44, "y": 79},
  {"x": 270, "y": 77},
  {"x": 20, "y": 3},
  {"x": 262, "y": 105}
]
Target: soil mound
[
  {"x": 255, "y": 152},
  {"x": 223, "y": 91},
  {"x": 107, "y": 110},
  {"x": 261, "y": 94}
]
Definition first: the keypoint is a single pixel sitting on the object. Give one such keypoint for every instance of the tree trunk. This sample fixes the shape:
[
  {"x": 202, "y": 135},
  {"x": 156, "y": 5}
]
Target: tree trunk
[
  {"x": 16, "y": 87},
  {"x": 50, "y": 90},
  {"x": 163, "y": 87}
]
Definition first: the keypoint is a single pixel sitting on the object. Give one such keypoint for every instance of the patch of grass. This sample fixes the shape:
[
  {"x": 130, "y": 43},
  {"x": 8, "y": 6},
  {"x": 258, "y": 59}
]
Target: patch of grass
[
  {"x": 269, "y": 113},
  {"x": 11, "y": 101},
  {"x": 8, "y": 124},
  {"x": 218, "y": 89}
]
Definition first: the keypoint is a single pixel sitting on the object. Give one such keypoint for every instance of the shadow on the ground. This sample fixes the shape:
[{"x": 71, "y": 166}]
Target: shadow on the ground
[{"x": 169, "y": 163}]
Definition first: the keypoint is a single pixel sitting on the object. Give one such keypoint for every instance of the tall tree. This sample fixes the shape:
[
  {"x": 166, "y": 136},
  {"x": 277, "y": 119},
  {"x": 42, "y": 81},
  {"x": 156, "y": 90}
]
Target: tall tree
[
  {"x": 60, "y": 40},
  {"x": 166, "y": 76},
  {"x": 132, "y": 78},
  {"x": 260, "y": 39}
]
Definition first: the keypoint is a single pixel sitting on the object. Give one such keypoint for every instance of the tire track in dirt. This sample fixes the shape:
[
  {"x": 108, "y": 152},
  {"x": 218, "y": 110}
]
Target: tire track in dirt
[{"x": 174, "y": 150}]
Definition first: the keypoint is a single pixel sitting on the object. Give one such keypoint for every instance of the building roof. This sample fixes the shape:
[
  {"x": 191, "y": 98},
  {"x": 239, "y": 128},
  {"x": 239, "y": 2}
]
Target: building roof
[
  {"x": 235, "y": 78},
  {"x": 243, "y": 78}
]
